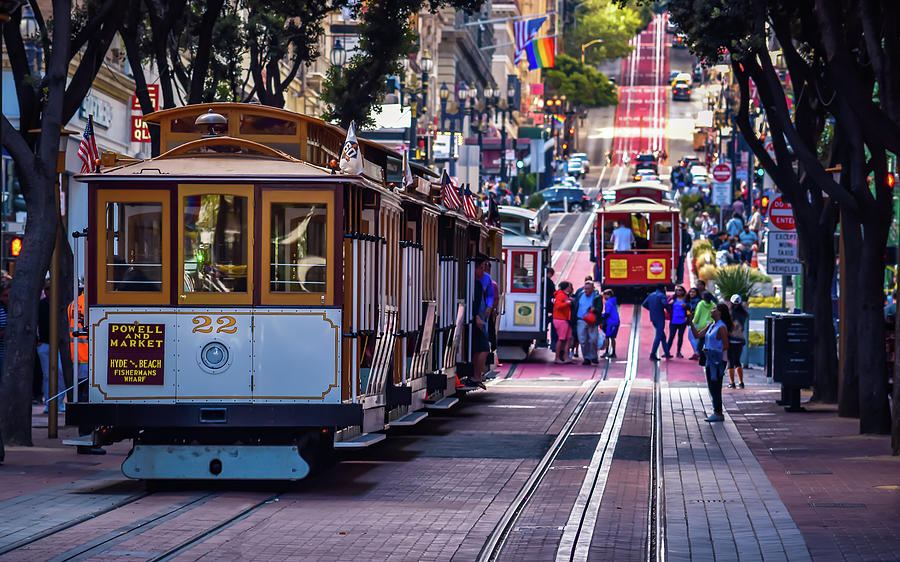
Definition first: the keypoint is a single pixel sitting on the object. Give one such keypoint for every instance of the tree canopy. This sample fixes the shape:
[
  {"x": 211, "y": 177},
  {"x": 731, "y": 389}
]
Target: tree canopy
[
  {"x": 615, "y": 24},
  {"x": 354, "y": 90},
  {"x": 842, "y": 64},
  {"x": 580, "y": 83}
]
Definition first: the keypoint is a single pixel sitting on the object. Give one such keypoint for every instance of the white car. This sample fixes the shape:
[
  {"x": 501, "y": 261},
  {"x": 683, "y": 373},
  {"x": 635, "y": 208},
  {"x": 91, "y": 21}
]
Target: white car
[{"x": 584, "y": 160}]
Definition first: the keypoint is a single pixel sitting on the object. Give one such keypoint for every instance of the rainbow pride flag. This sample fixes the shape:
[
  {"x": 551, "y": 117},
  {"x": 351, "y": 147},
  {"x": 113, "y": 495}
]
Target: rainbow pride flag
[{"x": 541, "y": 53}]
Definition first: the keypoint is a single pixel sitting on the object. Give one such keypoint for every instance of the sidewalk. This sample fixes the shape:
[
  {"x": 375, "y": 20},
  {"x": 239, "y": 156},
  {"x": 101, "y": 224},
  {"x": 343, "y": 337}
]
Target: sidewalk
[{"x": 771, "y": 485}]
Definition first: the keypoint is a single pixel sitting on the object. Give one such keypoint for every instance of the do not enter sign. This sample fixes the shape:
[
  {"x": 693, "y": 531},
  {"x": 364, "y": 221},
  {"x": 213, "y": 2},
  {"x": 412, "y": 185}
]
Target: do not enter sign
[
  {"x": 781, "y": 216},
  {"x": 721, "y": 172}
]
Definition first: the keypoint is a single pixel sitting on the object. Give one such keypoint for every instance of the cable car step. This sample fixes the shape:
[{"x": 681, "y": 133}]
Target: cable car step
[
  {"x": 410, "y": 419},
  {"x": 361, "y": 441},
  {"x": 443, "y": 404},
  {"x": 78, "y": 442}
]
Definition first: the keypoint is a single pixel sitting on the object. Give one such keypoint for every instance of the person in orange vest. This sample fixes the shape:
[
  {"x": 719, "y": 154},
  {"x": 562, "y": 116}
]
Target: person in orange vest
[
  {"x": 640, "y": 229},
  {"x": 79, "y": 347}
]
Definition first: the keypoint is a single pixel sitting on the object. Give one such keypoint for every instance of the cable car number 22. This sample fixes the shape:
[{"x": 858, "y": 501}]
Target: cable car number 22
[{"x": 203, "y": 325}]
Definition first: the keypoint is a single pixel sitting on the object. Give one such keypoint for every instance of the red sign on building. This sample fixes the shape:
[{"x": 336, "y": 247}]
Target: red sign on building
[{"x": 139, "y": 131}]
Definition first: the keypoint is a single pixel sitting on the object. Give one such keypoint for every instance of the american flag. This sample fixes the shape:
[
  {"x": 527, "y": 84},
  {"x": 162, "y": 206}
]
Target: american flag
[
  {"x": 449, "y": 196},
  {"x": 469, "y": 204},
  {"x": 87, "y": 150},
  {"x": 524, "y": 31}
]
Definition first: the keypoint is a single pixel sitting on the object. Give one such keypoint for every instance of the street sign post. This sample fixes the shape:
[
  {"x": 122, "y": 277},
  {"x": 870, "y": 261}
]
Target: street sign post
[
  {"x": 721, "y": 185},
  {"x": 782, "y": 255}
]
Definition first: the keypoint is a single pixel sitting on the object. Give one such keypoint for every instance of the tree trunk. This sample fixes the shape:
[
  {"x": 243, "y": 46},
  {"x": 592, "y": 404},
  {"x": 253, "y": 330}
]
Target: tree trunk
[
  {"x": 848, "y": 404},
  {"x": 895, "y": 397},
  {"x": 21, "y": 332},
  {"x": 874, "y": 415},
  {"x": 817, "y": 300}
]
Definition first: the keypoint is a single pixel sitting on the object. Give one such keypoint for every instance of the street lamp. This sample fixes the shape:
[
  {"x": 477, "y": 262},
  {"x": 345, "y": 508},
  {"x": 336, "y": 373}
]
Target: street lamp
[
  {"x": 588, "y": 44},
  {"x": 338, "y": 54},
  {"x": 427, "y": 65},
  {"x": 28, "y": 28}
]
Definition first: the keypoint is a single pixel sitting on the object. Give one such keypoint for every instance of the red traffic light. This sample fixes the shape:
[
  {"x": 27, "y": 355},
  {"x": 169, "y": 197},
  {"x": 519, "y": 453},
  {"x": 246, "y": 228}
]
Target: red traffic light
[
  {"x": 891, "y": 180},
  {"x": 15, "y": 247}
]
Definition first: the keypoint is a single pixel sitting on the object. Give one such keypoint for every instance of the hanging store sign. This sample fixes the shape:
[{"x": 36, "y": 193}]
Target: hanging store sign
[
  {"x": 135, "y": 354},
  {"x": 139, "y": 130}
]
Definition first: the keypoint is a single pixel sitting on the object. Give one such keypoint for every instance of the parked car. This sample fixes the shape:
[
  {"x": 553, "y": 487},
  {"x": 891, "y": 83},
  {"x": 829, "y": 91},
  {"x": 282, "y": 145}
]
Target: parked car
[
  {"x": 557, "y": 196},
  {"x": 681, "y": 91},
  {"x": 574, "y": 168},
  {"x": 584, "y": 161}
]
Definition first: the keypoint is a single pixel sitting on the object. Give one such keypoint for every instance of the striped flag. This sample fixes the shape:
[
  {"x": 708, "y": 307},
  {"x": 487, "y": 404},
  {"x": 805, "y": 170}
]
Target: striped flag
[
  {"x": 469, "y": 204},
  {"x": 541, "y": 53},
  {"x": 87, "y": 150},
  {"x": 449, "y": 196},
  {"x": 524, "y": 31}
]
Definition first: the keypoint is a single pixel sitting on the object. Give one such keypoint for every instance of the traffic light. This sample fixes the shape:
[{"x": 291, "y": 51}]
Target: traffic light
[
  {"x": 891, "y": 180},
  {"x": 423, "y": 148},
  {"x": 15, "y": 247},
  {"x": 520, "y": 164},
  {"x": 764, "y": 205}
]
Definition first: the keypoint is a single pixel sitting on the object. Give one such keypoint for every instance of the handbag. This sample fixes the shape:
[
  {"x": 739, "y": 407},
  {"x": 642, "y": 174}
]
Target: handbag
[
  {"x": 702, "y": 355},
  {"x": 590, "y": 318}
]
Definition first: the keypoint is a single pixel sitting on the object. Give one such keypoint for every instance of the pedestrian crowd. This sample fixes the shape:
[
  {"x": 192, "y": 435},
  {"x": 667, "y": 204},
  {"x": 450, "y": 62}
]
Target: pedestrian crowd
[{"x": 585, "y": 319}]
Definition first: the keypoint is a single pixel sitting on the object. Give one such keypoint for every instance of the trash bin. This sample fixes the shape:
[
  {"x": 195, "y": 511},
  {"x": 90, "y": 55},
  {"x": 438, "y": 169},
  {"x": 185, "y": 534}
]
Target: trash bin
[{"x": 789, "y": 354}]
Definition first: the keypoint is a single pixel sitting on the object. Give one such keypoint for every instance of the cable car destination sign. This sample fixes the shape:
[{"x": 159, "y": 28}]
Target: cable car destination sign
[
  {"x": 782, "y": 255},
  {"x": 136, "y": 353}
]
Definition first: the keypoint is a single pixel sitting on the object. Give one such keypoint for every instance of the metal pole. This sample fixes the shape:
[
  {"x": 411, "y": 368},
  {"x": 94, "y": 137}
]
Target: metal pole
[
  {"x": 53, "y": 387},
  {"x": 503, "y": 146},
  {"x": 413, "y": 126},
  {"x": 452, "y": 145},
  {"x": 480, "y": 151}
]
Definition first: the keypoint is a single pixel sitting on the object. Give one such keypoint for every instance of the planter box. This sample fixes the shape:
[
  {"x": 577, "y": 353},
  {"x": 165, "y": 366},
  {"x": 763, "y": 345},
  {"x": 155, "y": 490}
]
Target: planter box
[
  {"x": 764, "y": 289},
  {"x": 761, "y": 313},
  {"x": 756, "y": 355}
]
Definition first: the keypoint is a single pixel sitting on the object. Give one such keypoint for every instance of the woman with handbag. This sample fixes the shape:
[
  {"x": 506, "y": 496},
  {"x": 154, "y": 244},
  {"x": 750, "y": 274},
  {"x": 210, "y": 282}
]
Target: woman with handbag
[
  {"x": 562, "y": 310},
  {"x": 715, "y": 346}
]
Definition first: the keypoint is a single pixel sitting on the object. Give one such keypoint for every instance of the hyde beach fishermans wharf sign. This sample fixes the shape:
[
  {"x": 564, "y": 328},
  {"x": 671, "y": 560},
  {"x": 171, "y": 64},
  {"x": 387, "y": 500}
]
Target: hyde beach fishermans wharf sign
[{"x": 136, "y": 353}]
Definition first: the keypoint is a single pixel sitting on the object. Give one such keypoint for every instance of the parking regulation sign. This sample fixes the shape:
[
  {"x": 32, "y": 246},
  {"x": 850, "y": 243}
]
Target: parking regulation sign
[{"x": 782, "y": 256}]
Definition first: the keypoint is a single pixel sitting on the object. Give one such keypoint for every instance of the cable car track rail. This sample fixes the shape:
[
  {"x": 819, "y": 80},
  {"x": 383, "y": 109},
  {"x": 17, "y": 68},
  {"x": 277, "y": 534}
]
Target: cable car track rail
[{"x": 493, "y": 547}]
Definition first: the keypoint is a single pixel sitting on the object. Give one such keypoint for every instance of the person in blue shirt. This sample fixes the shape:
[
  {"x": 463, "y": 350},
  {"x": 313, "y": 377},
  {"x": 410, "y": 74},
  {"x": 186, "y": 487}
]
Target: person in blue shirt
[
  {"x": 588, "y": 301},
  {"x": 678, "y": 311},
  {"x": 656, "y": 303},
  {"x": 610, "y": 323},
  {"x": 748, "y": 238},
  {"x": 734, "y": 226}
]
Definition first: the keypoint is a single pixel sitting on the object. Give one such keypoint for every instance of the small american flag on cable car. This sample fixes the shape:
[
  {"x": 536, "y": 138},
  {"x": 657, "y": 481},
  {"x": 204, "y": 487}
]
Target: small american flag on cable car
[
  {"x": 87, "y": 150},
  {"x": 449, "y": 196},
  {"x": 469, "y": 204}
]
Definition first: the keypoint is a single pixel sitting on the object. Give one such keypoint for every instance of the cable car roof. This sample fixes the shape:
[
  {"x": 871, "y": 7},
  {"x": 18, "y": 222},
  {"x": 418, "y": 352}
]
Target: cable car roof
[
  {"x": 639, "y": 205},
  {"x": 515, "y": 240},
  {"x": 516, "y": 211}
]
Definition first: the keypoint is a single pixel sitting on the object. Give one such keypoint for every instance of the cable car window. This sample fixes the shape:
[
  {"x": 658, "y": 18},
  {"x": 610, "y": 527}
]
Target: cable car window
[
  {"x": 266, "y": 125},
  {"x": 524, "y": 278},
  {"x": 215, "y": 238},
  {"x": 662, "y": 233},
  {"x": 298, "y": 250},
  {"x": 134, "y": 247},
  {"x": 186, "y": 124}
]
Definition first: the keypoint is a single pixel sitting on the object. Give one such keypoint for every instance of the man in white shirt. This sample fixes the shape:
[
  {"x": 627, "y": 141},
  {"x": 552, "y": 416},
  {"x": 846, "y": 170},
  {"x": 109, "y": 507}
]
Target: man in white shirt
[{"x": 622, "y": 239}]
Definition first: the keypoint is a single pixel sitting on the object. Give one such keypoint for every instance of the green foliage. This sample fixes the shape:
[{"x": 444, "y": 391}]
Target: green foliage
[
  {"x": 528, "y": 182},
  {"x": 757, "y": 276},
  {"x": 605, "y": 19},
  {"x": 687, "y": 202},
  {"x": 700, "y": 246},
  {"x": 535, "y": 200},
  {"x": 581, "y": 84},
  {"x": 385, "y": 35},
  {"x": 735, "y": 280}
]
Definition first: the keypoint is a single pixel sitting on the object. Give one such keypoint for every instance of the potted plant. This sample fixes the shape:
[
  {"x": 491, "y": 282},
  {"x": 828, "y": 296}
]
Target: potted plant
[{"x": 735, "y": 280}]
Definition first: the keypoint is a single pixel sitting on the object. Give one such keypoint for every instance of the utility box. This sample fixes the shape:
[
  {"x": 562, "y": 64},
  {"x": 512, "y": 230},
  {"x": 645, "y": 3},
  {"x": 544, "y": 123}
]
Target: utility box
[{"x": 789, "y": 349}]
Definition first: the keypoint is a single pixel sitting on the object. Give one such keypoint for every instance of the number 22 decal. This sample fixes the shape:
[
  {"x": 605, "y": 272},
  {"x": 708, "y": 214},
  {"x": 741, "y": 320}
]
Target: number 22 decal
[{"x": 203, "y": 325}]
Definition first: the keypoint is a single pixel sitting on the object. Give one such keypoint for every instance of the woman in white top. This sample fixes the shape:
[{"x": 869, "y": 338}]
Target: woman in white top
[{"x": 715, "y": 346}]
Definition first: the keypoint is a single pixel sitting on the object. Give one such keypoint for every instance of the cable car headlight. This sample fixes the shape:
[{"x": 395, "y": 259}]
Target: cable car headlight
[{"x": 214, "y": 356}]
